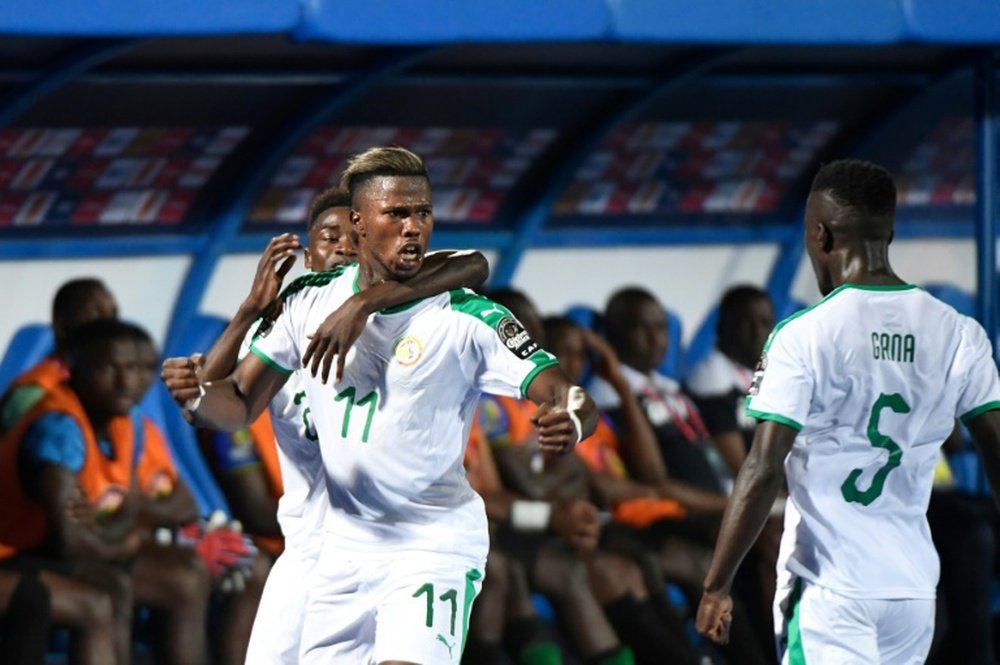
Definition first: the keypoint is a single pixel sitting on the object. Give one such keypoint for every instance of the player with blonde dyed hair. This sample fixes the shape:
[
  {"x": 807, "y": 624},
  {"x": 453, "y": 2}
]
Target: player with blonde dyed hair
[
  {"x": 406, "y": 537},
  {"x": 854, "y": 397}
]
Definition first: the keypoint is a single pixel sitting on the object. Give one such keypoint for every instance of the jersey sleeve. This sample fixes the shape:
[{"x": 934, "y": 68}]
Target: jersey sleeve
[
  {"x": 981, "y": 389},
  {"x": 278, "y": 344},
  {"x": 510, "y": 359},
  {"x": 783, "y": 383}
]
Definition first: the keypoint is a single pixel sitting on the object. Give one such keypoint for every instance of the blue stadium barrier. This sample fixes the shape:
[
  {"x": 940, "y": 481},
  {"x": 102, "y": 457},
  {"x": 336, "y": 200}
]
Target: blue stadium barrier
[
  {"x": 673, "y": 363},
  {"x": 30, "y": 344}
]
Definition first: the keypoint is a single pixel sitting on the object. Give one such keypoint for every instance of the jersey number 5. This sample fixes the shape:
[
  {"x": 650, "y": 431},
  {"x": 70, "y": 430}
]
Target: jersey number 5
[{"x": 850, "y": 487}]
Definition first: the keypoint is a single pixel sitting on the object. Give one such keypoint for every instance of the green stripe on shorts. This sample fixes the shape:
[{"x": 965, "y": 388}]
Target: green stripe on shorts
[
  {"x": 471, "y": 578},
  {"x": 796, "y": 652}
]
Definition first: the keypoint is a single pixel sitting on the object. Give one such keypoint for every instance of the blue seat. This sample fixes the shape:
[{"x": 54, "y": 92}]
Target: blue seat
[
  {"x": 197, "y": 336},
  {"x": 584, "y": 316},
  {"x": 29, "y": 345},
  {"x": 673, "y": 362}
]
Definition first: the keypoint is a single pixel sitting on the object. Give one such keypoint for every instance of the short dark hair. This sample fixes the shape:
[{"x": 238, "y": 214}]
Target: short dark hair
[
  {"x": 733, "y": 305},
  {"x": 99, "y": 331},
  {"x": 556, "y": 324},
  {"x": 381, "y": 161},
  {"x": 860, "y": 186},
  {"x": 334, "y": 197},
  {"x": 74, "y": 294},
  {"x": 620, "y": 302}
]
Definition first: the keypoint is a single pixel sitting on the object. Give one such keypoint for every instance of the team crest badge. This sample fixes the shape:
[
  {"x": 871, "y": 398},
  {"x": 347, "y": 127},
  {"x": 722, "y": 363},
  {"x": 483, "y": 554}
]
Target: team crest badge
[{"x": 408, "y": 351}]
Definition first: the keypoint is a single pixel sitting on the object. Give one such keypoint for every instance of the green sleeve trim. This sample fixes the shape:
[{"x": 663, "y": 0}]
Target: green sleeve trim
[
  {"x": 270, "y": 363},
  {"x": 840, "y": 289},
  {"x": 979, "y": 410},
  {"x": 796, "y": 651},
  {"x": 539, "y": 367},
  {"x": 781, "y": 420}
]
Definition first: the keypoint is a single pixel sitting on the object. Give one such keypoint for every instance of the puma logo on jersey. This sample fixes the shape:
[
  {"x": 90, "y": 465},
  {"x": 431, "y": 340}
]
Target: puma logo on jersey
[
  {"x": 443, "y": 641},
  {"x": 492, "y": 310}
]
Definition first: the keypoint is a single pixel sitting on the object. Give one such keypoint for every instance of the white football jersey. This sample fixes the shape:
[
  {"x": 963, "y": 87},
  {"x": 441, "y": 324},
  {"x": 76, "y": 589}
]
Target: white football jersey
[
  {"x": 303, "y": 504},
  {"x": 393, "y": 432},
  {"x": 873, "y": 378}
]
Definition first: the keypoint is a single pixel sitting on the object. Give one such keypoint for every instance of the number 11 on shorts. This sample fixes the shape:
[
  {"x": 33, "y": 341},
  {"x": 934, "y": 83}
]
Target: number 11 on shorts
[{"x": 451, "y": 596}]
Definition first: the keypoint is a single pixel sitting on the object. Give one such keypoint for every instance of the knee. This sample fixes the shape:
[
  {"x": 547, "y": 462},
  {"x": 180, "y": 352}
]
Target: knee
[
  {"x": 560, "y": 574},
  {"x": 98, "y": 609},
  {"x": 189, "y": 581},
  {"x": 497, "y": 572}
]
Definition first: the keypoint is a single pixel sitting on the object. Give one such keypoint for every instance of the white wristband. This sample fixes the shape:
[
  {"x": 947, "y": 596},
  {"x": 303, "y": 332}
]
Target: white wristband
[
  {"x": 192, "y": 404},
  {"x": 575, "y": 399},
  {"x": 530, "y": 515}
]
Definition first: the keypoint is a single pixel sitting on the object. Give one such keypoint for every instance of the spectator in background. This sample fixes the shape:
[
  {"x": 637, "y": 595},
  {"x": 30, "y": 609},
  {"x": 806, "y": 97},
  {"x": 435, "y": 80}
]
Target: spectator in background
[
  {"x": 237, "y": 606},
  {"x": 615, "y": 579},
  {"x": 83, "y": 493},
  {"x": 650, "y": 509},
  {"x": 719, "y": 384},
  {"x": 636, "y": 328},
  {"x": 75, "y": 303}
]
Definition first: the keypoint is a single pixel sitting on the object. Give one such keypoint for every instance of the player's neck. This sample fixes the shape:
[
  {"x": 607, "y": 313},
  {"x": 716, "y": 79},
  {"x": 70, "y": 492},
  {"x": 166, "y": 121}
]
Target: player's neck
[{"x": 867, "y": 263}]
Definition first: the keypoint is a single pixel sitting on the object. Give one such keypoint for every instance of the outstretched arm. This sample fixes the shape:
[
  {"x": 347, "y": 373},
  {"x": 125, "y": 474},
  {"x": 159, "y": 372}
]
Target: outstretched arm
[
  {"x": 442, "y": 271},
  {"x": 274, "y": 264},
  {"x": 757, "y": 486},
  {"x": 227, "y": 404}
]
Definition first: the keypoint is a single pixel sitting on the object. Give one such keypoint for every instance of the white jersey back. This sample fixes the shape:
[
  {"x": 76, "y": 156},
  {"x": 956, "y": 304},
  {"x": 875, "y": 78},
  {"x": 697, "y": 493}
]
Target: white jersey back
[
  {"x": 873, "y": 378},
  {"x": 393, "y": 431}
]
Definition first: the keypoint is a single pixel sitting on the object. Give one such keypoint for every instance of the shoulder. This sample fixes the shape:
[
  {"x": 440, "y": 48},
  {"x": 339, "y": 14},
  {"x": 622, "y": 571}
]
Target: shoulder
[
  {"x": 475, "y": 306},
  {"x": 55, "y": 438},
  {"x": 712, "y": 376},
  {"x": 312, "y": 281}
]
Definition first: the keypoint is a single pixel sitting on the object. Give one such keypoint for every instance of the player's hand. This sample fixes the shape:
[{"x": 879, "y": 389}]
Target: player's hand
[
  {"x": 335, "y": 336},
  {"x": 715, "y": 615},
  {"x": 181, "y": 377},
  {"x": 578, "y": 522},
  {"x": 556, "y": 431},
  {"x": 277, "y": 259}
]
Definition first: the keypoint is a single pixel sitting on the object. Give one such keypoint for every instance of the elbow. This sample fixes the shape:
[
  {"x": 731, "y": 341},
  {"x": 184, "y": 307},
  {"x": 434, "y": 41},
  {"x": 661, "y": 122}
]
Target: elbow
[{"x": 479, "y": 269}]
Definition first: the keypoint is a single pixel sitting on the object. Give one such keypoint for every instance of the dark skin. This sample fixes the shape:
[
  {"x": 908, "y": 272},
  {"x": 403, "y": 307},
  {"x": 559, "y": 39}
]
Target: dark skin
[
  {"x": 394, "y": 221},
  {"x": 331, "y": 244},
  {"x": 107, "y": 377},
  {"x": 744, "y": 345},
  {"x": 646, "y": 337},
  {"x": 842, "y": 249},
  {"x": 639, "y": 448},
  {"x": 99, "y": 304}
]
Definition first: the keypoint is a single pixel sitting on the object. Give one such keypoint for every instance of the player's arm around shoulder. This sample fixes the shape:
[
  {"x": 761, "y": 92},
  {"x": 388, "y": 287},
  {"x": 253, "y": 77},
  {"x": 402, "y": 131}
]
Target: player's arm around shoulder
[{"x": 566, "y": 413}]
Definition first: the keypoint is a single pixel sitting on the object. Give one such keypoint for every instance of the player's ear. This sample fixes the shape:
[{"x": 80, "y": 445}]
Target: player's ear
[
  {"x": 825, "y": 238},
  {"x": 357, "y": 222},
  {"x": 307, "y": 258}
]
